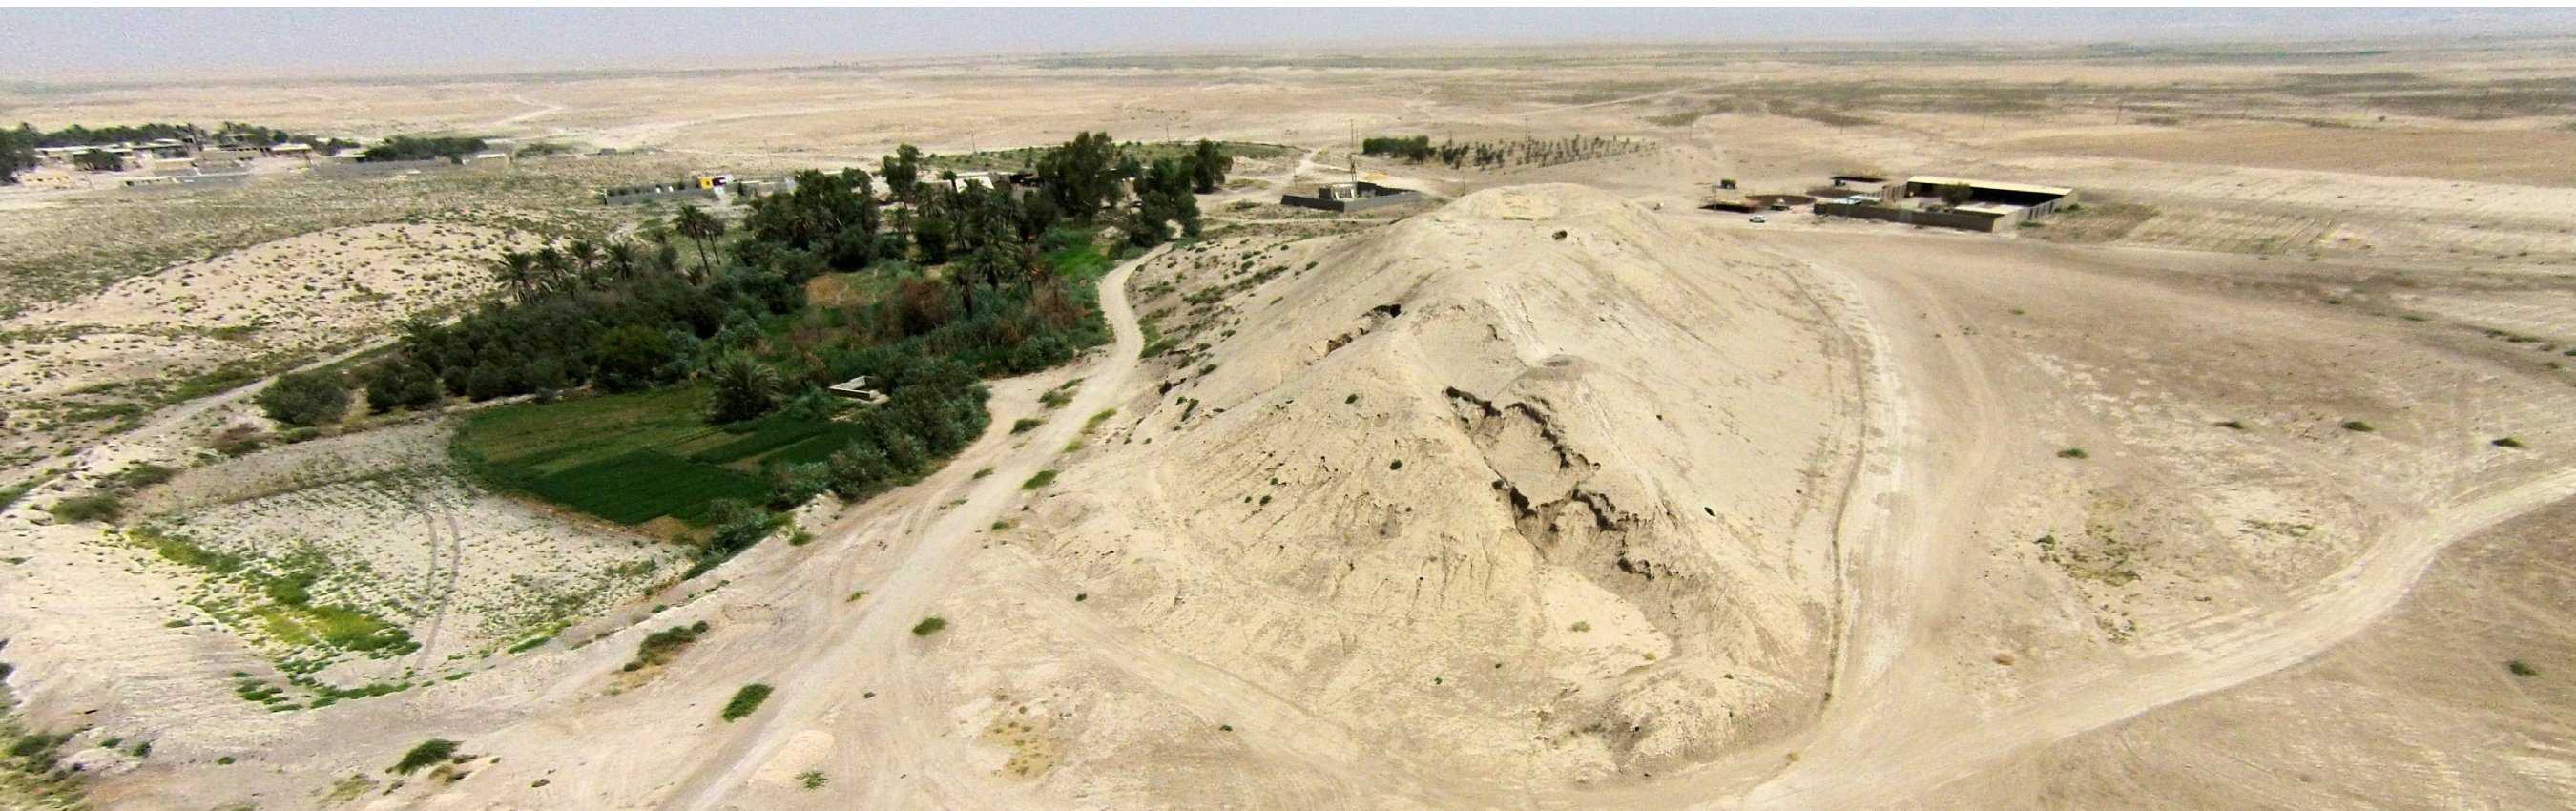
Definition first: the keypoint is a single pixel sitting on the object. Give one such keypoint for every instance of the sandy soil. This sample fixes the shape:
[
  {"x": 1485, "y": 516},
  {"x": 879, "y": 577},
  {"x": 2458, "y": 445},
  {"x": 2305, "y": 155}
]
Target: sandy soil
[
  {"x": 1557, "y": 492},
  {"x": 299, "y": 298}
]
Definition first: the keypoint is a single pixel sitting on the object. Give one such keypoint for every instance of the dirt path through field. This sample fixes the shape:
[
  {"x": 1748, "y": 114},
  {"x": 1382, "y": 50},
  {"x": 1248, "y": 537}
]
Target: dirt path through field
[{"x": 879, "y": 641}]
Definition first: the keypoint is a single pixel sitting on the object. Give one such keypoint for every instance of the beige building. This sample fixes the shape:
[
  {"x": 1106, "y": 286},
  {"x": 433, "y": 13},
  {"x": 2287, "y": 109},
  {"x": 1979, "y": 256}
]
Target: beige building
[{"x": 49, "y": 178}]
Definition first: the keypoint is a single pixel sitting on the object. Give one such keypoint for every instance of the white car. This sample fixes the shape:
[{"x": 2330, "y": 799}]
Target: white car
[{"x": 1758, "y": 220}]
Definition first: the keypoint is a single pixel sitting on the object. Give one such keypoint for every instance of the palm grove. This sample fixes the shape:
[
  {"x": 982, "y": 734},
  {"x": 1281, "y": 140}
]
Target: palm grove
[{"x": 955, "y": 284}]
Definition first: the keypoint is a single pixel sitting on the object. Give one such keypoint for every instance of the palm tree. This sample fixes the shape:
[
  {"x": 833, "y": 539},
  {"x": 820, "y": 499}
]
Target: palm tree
[
  {"x": 702, "y": 228},
  {"x": 518, "y": 269},
  {"x": 556, "y": 267},
  {"x": 666, "y": 258},
  {"x": 744, "y": 388},
  {"x": 585, "y": 255},
  {"x": 1034, "y": 268},
  {"x": 621, "y": 259}
]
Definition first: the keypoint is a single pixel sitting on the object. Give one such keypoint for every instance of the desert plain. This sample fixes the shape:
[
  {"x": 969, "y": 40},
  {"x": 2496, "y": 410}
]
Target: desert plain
[{"x": 2245, "y": 483}]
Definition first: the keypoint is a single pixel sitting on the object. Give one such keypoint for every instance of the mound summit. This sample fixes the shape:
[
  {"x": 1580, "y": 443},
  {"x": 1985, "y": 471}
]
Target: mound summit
[{"x": 1541, "y": 480}]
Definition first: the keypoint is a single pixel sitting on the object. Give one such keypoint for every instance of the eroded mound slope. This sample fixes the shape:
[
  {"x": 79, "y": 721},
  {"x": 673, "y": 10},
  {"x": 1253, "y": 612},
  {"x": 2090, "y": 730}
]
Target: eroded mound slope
[{"x": 1536, "y": 482}]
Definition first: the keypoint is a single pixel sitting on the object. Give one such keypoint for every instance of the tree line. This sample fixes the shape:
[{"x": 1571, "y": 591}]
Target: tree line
[
  {"x": 1492, "y": 155},
  {"x": 414, "y": 147}
]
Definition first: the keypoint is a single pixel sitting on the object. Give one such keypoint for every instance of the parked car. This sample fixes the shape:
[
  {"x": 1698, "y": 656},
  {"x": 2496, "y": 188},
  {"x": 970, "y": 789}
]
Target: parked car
[{"x": 1758, "y": 220}]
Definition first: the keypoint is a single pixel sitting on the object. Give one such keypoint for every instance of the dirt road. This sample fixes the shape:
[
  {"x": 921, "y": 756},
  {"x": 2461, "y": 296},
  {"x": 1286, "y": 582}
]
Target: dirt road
[
  {"x": 879, "y": 641},
  {"x": 1892, "y": 732}
]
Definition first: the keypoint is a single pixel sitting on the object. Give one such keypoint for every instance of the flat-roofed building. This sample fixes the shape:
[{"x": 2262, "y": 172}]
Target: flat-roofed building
[{"x": 2037, "y": 200}]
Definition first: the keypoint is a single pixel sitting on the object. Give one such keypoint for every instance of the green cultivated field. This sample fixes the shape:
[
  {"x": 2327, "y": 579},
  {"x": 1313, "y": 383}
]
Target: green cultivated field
[{"x": 632, "y": 458}]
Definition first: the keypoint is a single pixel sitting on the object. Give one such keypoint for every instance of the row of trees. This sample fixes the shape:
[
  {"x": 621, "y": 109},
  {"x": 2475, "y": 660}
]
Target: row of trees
[
  {"x": 1486, "y": 155},
  {"x": 1412, "y": 149},
  {"x": 411, "y": 147},
  {"x": 235, "y": 132}
]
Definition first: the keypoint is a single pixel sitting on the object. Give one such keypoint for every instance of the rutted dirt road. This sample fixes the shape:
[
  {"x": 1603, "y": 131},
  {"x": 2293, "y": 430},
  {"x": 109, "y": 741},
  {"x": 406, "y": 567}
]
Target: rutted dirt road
[{"x": 877, "y": 642}]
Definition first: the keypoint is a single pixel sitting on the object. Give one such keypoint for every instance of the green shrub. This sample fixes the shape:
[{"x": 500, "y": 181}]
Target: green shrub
[
  {"x": 2072, "y": 453},
  {"x": 738, "y": 525},
  {"x": 399, "y": 382},
  {"x": 634, "y": 357},
  {"x": 96, "y": 507},
  {"x": 746, "y": 701},
  {"x": 664, "y": 645},
  {"x": 427, "y": 754},
  {"x": 791, "y": 485},
  {"x": 2518, "y": 668},
  {"x": 928, "y": 626},
  {"x": 144, "y": 474},
  {"x": 1041, "y": 479},
  {"x": 2358, "y": 427},
  {"x": 305, "y": 398},
  {"x": 1026, "y": 424},
  {"x": 2506, "y": 442}
]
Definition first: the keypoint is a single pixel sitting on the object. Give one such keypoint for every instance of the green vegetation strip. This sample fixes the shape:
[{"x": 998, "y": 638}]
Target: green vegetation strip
[{"x": 746, "y": 701}]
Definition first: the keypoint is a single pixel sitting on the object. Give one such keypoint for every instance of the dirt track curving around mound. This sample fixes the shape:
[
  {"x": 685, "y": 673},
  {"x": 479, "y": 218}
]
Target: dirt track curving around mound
[
  {"x": 879, "y": 637},
  {"x": 1894, "y": 738}
]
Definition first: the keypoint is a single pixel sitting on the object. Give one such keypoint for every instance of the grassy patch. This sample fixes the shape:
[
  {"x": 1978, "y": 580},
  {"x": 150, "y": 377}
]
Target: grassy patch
[
  {"x": 928, "y": 626},
  {"x": 531, "y": 643},
  {"x": 746, "y": 701},
  {"x": 428, "y": 753},
  {"x": 276, "y": 597},
  {"x": 2358, "y": 426},
  {"x": 660, "y": 647},
  {"x": 662, "y": 459},
  {"x": 1041, "y": 479},
  {"x": 98, "y": 507},
  {"x": 349, "y": 788}
]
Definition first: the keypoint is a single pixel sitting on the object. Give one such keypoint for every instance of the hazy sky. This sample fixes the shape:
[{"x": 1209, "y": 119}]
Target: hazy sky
[{"x": 39, "y": 43}]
